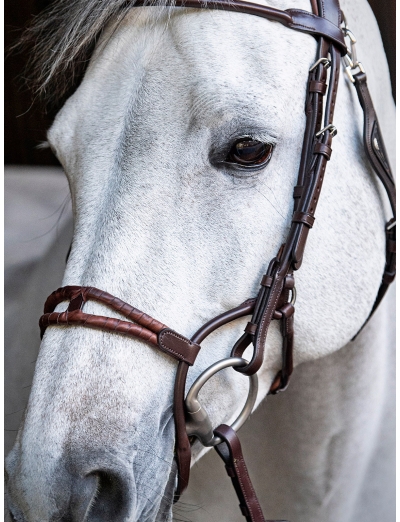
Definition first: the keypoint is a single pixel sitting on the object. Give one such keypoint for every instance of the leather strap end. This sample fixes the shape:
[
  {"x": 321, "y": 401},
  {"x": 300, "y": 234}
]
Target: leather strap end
[
  {"x": 266, "y": 281},
  {"x": 276, "y": 384},
  {"x": 230, "y": 452},
  {"x": 178, "y": 346},
  {"x": 289, "y": 282},
  {"x": 388, "y": 277},
  {"x": 298, "y": 191}
]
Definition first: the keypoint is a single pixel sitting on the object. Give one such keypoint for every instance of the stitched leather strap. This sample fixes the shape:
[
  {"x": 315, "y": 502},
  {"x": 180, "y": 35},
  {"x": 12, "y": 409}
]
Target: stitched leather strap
[
  {"x": 183, "y": 452},
  {"x": 373, "y": 142},
  {"x": 178, "y": 346},
  {"x": 147, "y": 328},
  {"x": 311, "y": 174},
  {"x": 281, "y": 380},
  {"x": 80, "y": 294},
  {"x": 230, "y": 451},
  {"x": 376, "y": 152}
]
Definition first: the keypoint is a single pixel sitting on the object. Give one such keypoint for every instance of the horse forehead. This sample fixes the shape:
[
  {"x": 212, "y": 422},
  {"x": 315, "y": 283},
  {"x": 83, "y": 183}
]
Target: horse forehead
[
  {"x": 242, "y": 62},
  {"x": 197, "y": 46},
  {"x": 223, "y": 53}
]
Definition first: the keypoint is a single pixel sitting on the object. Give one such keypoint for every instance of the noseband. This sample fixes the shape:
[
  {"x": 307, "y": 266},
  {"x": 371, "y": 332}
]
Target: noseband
[{"x": 276, "y": 297}]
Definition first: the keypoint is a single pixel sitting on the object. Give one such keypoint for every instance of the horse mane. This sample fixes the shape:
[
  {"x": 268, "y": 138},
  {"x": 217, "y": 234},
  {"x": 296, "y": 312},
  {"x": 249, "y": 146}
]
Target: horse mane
[{"x": 60, "y": 42}]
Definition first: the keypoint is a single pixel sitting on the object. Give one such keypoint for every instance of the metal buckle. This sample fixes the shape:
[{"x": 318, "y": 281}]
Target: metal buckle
[
  {"x": 331, "y": 128},
  {"x": 293, "y": 296},
  {"x": 325, "y": 61},
  {"x": 392, "y": 225},
  {"x": 198, "y": 423}
]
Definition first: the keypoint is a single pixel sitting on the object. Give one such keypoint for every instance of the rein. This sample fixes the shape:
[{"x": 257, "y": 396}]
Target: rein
[{"x": 277, "y": 294}]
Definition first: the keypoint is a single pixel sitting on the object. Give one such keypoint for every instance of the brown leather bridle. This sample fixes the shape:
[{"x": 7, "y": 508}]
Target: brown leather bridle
[{"x": 275, "y": 297}]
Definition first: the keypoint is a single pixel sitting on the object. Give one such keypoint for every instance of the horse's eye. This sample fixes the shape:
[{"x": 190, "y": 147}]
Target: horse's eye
[{"x": 246, "y": 152}]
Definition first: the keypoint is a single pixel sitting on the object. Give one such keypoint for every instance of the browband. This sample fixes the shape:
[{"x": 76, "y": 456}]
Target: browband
[{"x": 296, "y": 19}]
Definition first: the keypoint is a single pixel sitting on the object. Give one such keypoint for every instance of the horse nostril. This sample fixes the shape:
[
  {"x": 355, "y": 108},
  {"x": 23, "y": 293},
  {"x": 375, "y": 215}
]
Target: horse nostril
[
  {"x": 84, "y": 490},
  {"x": 111, "y": 499}
]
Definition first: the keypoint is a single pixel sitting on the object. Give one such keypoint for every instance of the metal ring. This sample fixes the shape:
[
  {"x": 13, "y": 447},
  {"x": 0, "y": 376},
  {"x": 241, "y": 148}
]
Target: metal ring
[
  {"x": 348, "y": 61},
  {"x": 350, "y": 34},
  {"x": 198, "y": 423},
  {"x": 351, "y": 67}
]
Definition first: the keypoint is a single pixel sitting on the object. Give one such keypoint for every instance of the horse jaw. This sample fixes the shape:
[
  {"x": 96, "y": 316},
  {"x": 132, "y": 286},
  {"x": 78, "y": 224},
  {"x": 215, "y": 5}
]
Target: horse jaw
[{"x": 158, "y": 224}]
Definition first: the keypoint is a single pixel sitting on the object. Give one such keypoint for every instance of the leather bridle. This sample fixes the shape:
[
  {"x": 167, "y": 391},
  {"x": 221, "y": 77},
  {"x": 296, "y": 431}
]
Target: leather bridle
[{"x": 275, "y": 299}]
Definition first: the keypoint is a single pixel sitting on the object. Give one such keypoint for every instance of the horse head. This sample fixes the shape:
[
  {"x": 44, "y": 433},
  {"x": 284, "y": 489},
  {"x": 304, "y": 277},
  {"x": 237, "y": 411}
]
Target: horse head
[{"x": 182, "y": 146}]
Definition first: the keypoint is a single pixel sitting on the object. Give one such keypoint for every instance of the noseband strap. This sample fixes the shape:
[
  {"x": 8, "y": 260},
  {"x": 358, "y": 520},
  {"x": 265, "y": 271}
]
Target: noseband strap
[{"x": 276, "y": 297}]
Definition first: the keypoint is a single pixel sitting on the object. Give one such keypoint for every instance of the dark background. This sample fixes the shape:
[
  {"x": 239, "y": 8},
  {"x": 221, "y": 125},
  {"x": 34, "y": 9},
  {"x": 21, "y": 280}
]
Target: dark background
[{"x": 26, "y": 121}]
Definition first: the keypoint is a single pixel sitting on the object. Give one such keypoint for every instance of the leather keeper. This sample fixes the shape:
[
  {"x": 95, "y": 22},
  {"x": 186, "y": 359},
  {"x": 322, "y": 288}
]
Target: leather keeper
[
  {"x": 302, "y": 217},
  {"x": 316, "y": 86},
  {"x": 391, "y": 246},
  {"x": 250, "y": 328},
  {"x": 244, "y": 510},
  {"x": 266, "y": 281},
  {"x": 289, "y": 282},
  {"x": 287, "y": 310},
  {"x": 322, "y": 148},
  {"x": 390, "y": 225},
  {"x": 297, "y": 191},
  {"x": 229, "y": 471},
  {"x": 178, "y": 346},
  {"x": 388, "y": 277}
]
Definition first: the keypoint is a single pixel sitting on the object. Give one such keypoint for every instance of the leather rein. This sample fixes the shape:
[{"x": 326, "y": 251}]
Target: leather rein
[{"x": 276, "y": 297}]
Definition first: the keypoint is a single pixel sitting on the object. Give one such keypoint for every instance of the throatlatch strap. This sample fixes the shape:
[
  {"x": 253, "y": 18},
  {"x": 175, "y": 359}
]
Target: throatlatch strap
[{"x": 376, "y": 153}]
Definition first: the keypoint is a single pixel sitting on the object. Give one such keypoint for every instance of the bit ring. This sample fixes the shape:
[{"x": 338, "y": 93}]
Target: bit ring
[{"x": 198, "y": 423}]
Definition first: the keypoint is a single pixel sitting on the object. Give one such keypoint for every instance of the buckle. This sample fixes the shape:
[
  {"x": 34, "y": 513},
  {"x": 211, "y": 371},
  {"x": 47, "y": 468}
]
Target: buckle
[
  {"x": 331, "y": 128},
  {"x": 390, "y": 224},
  {"x": 325, "y": 61}
]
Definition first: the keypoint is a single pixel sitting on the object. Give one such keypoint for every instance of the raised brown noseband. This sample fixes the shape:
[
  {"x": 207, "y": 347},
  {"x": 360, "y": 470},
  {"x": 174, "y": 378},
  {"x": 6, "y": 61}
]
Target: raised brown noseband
[{"x": 276, "y": 297}]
